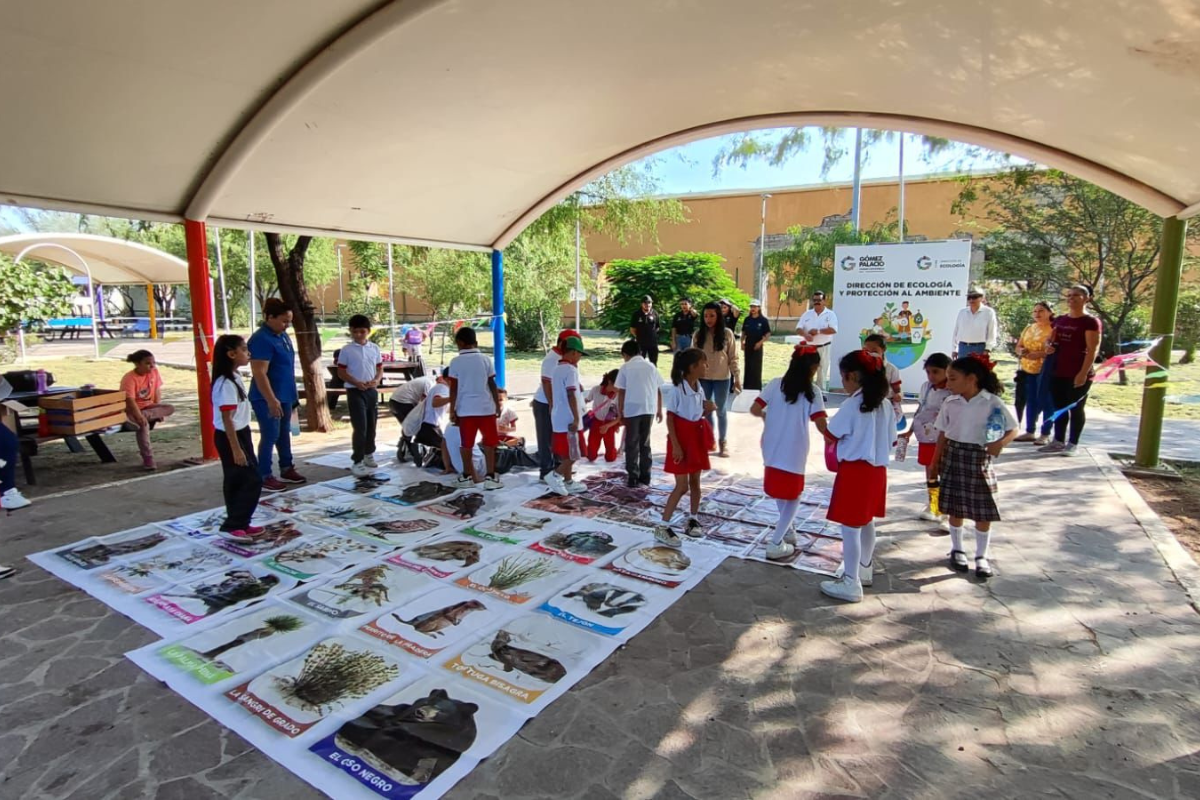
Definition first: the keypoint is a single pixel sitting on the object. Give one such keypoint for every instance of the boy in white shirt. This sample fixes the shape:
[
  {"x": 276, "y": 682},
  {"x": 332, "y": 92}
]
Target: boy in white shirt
[
  {"x": 639, "y": 404},
  {"x": 360, "y": 366},
  {"x": 474, "y": 407},
  {"x": 507, "y": 423},
  {"x": 566, "y": 417}
]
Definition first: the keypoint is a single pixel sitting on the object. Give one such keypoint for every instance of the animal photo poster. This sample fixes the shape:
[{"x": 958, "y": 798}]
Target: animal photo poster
[
  {"x": 608, "y": 604},
  {"x": 104, "y": 550},
  {"x": 220, "y": 593},
  {"x": 450, "y": 554},
  {"x": 361, "y": 591},
  {"x": 426, "y": 736},
  {"x": 428, "y": 625}
]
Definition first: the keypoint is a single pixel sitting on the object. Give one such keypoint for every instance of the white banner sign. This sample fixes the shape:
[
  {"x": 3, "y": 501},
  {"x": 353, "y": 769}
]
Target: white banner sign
[{"x": 910, "y": 292}]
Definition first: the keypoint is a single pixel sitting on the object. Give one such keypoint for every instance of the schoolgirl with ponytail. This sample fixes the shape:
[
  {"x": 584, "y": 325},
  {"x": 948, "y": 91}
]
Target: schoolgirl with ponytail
[
  {"x": 864, "y": 428},
  {"x": 974, "y": 425},
  {"x": 242, "y": 483},
  {"x": 689, "y": 438}
]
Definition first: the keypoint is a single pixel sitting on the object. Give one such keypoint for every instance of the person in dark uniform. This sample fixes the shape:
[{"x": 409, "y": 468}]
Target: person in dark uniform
[
  {"x": 644, "y": 328},
  {"x": 731, "y": 314},
  {"x": 755, "y": 332},
  {"x": 683, "y": 326}
]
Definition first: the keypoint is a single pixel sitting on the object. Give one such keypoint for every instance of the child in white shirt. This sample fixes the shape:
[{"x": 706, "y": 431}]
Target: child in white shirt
[
  {"x": 933, "y": 394},
  {"x": 877, "y": 344},
  {"x": 689, "y": 438},
  {"x": 787, "y": 405},
  {"x": 474, "y": 407},
  {"x": 360, "y": 366},
  {"x": 605, "y": 418},
  {"x": 864, "y": 427},
  {"x": 975, "y": 425},
  {"x": 639, "y": 404},
  {"x": 242, "y": 484},
  {"x": 566, "y": 417},
  {"x": 507, "y": 423}
]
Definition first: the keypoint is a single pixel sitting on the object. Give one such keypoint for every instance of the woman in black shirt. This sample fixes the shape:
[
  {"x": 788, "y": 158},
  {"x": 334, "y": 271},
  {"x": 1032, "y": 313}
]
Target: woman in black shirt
[{"x": 755, "y": 332}]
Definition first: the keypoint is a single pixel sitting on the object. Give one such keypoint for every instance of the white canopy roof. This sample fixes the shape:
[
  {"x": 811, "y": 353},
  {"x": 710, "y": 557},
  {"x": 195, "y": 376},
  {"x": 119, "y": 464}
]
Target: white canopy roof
[
  {"x": 110, "y": 260},
  {"x": 458, "y": 121}
]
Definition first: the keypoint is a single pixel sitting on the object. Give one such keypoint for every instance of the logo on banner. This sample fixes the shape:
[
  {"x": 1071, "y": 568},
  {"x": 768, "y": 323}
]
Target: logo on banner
[
  {"x": 952, "y": 263},
  {"x": 848, "y": 263},
  {"x": 924, "y": 263}
]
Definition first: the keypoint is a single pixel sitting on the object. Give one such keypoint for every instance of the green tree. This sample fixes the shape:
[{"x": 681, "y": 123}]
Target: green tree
[
  {"x": 539, "y": 272},
  {"x": 1187, "y": 324},
  {"x": 777, "y": 146},
  {"x": 32, "y": 292},
  {"x": 668, "y": 279}
]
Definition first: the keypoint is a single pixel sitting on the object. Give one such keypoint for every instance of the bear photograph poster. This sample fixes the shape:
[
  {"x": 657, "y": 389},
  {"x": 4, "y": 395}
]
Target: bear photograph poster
[{"x": 908, "y": 292}]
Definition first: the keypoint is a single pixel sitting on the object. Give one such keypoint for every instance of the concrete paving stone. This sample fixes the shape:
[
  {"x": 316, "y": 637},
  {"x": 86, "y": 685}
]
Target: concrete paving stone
[
  {"x": 187, "y": 788},
  {"x": 548, "y": 726},
  {"x": 193, "y": 751},
  {"x": 11, "y": 745},
  {"x": 528, "y": 770},
  {"x": 120, "y": 771},
  {"x": 720, "y": 780},
  {"x": 75, "y": 669},
  {"x": 638, "y": 773},
  {"x": 587, "y": 729}
]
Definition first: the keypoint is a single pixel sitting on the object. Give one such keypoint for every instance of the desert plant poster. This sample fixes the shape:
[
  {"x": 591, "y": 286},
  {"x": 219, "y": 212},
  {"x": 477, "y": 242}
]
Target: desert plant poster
[{"x": 520, "y": 577}]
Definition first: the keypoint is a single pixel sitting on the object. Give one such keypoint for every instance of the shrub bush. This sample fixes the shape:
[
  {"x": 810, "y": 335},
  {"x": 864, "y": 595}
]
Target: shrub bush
[{"x": 668, "y": 279}]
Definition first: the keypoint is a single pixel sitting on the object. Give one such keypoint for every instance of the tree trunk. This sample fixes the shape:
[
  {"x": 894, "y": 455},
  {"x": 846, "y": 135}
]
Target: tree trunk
[
  {"x": 237, "y": 641},
  {"x": 1189, "y": 353},
  {"x": 289, "y": 274}
]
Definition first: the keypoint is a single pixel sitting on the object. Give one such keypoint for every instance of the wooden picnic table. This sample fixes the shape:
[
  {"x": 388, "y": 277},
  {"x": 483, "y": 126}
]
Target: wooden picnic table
[
  {"x": 71, "y": 327},
  {"x": 30, "y": 438}
]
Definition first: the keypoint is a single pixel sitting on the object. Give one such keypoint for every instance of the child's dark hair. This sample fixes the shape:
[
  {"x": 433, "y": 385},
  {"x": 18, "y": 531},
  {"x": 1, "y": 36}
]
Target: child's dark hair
[
  {"x": 609, "y": 378},
  {"x": 938, "y": 361},
  {"x": 630, "y": 348},
  {"x": 502, "y": 390},
  {"x": 985, "y": 375},
  {"x": 878, "y": 339},
  {"x": 718, "y": 331},
  {"x": 360, "y": 321},
  {"x": 138, "y": 356},
  {"x": 872, "y": 377},
  {"x": 684, "y": 359},
  {"x": 798, "y": 380},
  {"x": 222, "y": 364},
  {"x": 466, "y": 335}
]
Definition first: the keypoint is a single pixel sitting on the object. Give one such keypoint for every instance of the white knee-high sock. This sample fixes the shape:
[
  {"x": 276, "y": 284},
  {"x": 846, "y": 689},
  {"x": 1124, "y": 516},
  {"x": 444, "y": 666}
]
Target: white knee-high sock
[
  {"x": 787, "y": 513},
  {"x": 851, "y": 551},
  {"x": 956, "y": 538},
  {"x": 982, "y": 540},
  {"x": 867, "y": 539}
]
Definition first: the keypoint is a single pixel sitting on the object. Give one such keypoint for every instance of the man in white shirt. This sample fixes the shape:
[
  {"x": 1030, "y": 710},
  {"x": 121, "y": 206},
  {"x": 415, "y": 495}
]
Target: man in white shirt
[
  {"x": 818, "y": 326},
  {"x": 975, "y": 329},
  {"x": 639, "y": 402}
]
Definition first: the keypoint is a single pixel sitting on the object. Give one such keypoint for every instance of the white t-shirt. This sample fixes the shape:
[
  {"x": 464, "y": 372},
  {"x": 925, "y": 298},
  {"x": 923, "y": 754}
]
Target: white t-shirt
[
  {"x": 975, "y": 328},
  {"x": 684, "y": 402},
  {"x": 434, "y": 415},
  {"x": 642, "y": 382},
  {"x": 893, "y": 377},
  {"x": 360, "y": 361},
  {"x": 471, "y": 370},
  {"x": 549, "y": 362},
  {"x": 785, "y": 435},
  {"x": 966, "y": 421},
  {"x": 507, "y": 417},
  {"x": 863, "y": 436},
  {"x": 412, "y": 392},
  {"x": 811, "y": 319},
  {"x": 925, "y": 420},
  {"x": 225, "y": 394},
  {"x": 565, "y": 384},
  {"x": 603, "y": 406}
]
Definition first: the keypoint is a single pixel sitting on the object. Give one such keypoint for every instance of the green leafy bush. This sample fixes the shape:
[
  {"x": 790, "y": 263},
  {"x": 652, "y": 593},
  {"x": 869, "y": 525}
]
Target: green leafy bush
[
  {"x": 667, "y": 278},
  {"x": 31, "y": 293}
]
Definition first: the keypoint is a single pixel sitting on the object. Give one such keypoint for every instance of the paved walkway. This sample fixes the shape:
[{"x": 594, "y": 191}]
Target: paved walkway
[{"x": 1074, "y": 673}]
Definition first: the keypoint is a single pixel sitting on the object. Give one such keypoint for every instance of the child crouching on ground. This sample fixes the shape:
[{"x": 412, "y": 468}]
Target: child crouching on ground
[
  {"x": 864, "y": 427},
  {"x": 933, "y": 394},
  {"x": 242, "y": 485},
  {"x": 506, "y": 425},
  {"x": 689, "y": 438},
  {"x": 787, "y": 404},
  {"x": 975, "y": 426},
  {"x": 605, "y": 418}
]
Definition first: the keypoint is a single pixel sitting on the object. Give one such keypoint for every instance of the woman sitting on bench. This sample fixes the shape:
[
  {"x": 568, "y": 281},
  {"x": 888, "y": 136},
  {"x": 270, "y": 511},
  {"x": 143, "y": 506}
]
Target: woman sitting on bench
[{"x": 143, "y": 401}]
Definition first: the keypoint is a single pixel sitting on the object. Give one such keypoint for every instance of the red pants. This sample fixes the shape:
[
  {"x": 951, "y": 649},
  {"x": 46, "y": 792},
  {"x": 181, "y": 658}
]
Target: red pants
[{"x": 609, "y": 439}]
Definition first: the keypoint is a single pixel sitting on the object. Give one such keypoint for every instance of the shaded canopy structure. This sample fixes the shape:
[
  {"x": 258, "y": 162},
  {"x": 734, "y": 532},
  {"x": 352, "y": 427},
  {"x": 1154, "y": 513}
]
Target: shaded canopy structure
[
  {"x": 456, "y": 123},
  {"x": 111, "y": 261}
]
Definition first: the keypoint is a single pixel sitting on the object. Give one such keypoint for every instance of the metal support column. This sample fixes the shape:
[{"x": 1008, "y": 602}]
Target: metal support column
[
  {"x": 153, "y": 311},
  {"x": 1162, "y": 323},
  {"x": 856, "y": 190},
  {"x": 498, "y": 315},
  {"x": 203, "y": 326}
]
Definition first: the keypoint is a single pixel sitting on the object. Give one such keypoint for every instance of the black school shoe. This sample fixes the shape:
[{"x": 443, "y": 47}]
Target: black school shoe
[
  {"x": 631, "y": 482},
  {"x": 958, "y": 561},
  {"x": 983, "y": 570}
]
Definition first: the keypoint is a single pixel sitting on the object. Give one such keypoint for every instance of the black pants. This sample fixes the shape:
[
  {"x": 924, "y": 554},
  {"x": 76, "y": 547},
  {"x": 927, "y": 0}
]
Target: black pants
[
  {"x": 1026, "y": 390},
  {"x": 401, "y": 411},
  {"x": 752, "y": 377},
  {"x": 637, "y": 447},
  {"x": 241, "y": 485},
  {"x": 364, "y": 414},
  {"x": 1065, "y": 392},
  {"x": 650, "y": 353},
  {"x": 545, "y": 438}
]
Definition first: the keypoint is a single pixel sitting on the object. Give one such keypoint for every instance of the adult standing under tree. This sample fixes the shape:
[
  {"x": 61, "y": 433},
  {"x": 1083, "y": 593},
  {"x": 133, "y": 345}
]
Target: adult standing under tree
[
  {"x": 644, "y": 328},
  {"x": 273, "y": 394},
  {"x": 818, "y": 325},
  {"x": 1073, "y": 344},
  {"x": 720, "y": 349},
  {"x": 756, "y": 330},
  {"x": 975, "y": 329},
  {"x": 683, "y": 326},
  {"x": 1032, "y": 389}
]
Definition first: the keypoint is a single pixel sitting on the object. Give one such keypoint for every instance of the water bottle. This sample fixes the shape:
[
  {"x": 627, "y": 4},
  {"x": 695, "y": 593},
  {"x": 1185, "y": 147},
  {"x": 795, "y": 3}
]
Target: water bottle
[
  {"x": 40, "y": 378},
  {"x": 995, "y": 426},
  {"x": 901, "y": 448},
  {"x": 295, "y": 422}
]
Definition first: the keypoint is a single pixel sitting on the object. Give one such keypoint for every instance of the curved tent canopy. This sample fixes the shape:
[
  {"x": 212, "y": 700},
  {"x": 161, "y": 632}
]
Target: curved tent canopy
[
  {"x": 112, "y": 261},
  {"x": 455, "y": 122}
]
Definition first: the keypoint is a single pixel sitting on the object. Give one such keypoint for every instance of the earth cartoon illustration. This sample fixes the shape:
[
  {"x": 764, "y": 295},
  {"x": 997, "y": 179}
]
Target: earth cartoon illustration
[{"x": 906, "y": 330}]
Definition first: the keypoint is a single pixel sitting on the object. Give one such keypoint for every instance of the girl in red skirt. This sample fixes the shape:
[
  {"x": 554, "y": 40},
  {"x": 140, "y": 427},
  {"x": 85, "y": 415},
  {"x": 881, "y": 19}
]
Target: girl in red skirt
[
  {"x": 787, "y": 404},
  {"x": 689, "y": 438},
  {"x": 933, "y": 394},
  {"x": 864, "y": 427}
]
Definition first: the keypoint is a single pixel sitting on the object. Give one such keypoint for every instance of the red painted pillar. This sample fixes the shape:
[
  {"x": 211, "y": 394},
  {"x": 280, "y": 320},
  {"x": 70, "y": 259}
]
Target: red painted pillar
[{"x": 200, "y": 289}]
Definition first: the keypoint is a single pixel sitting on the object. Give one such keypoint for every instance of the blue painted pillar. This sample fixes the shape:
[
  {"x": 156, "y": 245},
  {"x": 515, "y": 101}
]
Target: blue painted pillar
[{"x": 498, "y": 310}]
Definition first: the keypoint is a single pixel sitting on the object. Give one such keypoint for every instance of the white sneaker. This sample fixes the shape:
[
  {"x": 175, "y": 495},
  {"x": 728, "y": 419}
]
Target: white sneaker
[
  {"x": 664, "y": 535},
  {"x": 692, "y": 529},
  {"x": 360, "y": 470},
  {"x": 492, "y": 482},
  {"x": 370, "y": 461},
  {"x": 866, "y": 575},
  {"x": 781, "y": 551},
  {"x": 1071, "y": 450},
  {"x": 574, "y": 487},
  {"x": 465, "y": 482},
  {"x": 843, "y": 589},
  {"x": 556, "y": 483},
  {"x": 13, "y": 499},
  {"x": 944, "y": 523},
  {"x": 790, "y": 536},
  {"x": 929, "y": 516}
]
